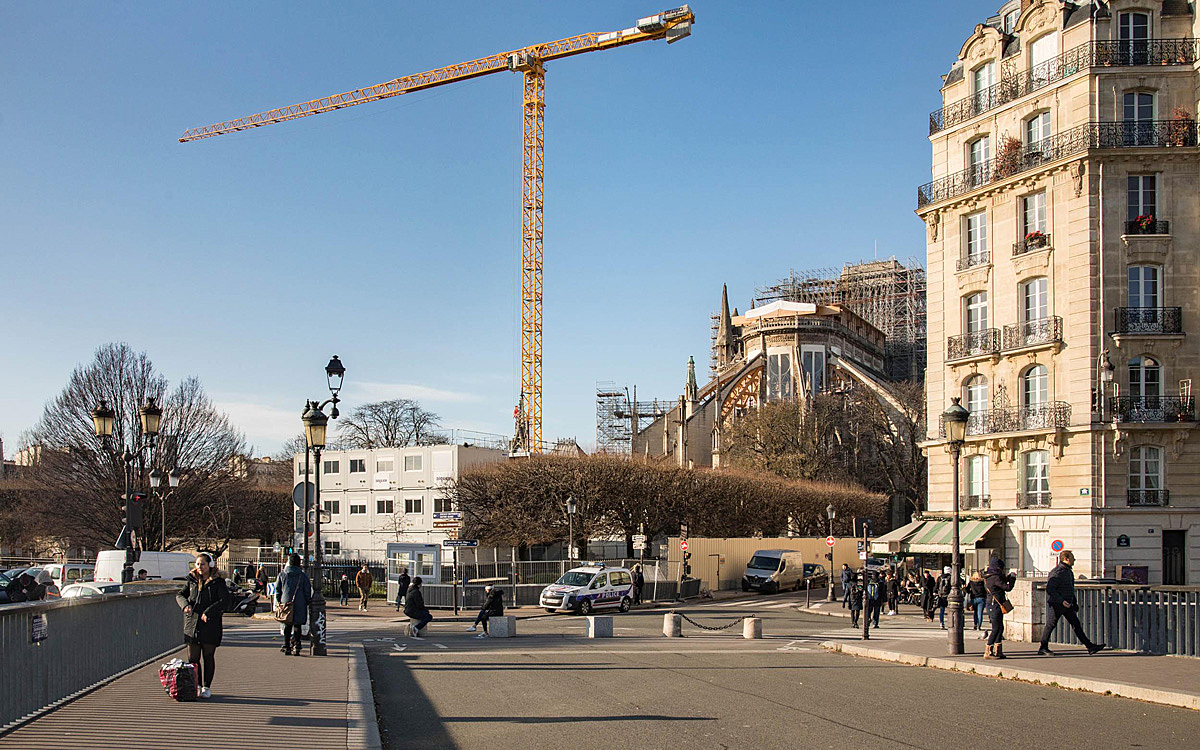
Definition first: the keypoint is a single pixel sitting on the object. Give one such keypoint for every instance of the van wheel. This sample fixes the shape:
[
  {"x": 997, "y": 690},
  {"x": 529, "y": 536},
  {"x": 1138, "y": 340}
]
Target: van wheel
[
  {"x": 585, "y": 607},
  {"x": 624, "y": 605}
]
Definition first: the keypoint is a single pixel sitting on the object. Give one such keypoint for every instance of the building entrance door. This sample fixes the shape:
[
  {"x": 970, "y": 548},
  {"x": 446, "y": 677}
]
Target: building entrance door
[
  {"x": 1035, "y": 553},
  {"x": 1174, "y": 552}
]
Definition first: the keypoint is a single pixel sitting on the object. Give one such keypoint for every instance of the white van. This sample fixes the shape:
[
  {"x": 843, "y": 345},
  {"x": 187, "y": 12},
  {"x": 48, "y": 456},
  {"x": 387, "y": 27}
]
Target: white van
[
  {"x": 772, "y": 570},
  {"x": 588, "y": 588},
  {"x": 65, "y": 573},
  {"x": 158, "y": 565}
]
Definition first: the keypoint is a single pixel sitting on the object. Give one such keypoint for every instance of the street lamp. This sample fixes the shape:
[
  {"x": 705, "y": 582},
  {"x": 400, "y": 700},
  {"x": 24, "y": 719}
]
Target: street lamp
[
  {"x": 316, "y": 426},
  {"x": 570, "y": 528},
  {"x": 104, "y": 421},
  {"x": 162, "y": 480},
  {"x": 831, "y": 513},
  {"x": 955, "y": 418}
]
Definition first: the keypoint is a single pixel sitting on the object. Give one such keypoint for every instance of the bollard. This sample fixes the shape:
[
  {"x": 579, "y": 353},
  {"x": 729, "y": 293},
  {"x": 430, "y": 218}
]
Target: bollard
[
  {"x": 502, "y": 626},
  {"x": 672, "y": 625},
  {"x": 752, "y": 628},
  {"x": 599, "y": 626}
]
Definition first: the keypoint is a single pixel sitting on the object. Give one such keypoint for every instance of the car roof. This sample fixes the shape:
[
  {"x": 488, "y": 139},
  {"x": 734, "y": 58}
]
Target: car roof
[{"x": 595, "y": 569}]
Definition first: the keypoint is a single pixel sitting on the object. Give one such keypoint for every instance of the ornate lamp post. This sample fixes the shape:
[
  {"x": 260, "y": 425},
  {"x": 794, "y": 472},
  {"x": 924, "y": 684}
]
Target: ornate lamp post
[
  {"x": 161, "y": 481},
  {"x": 955, "y": 419},
  {"x": 315, "y": 428},
  {"x": 570, "y": 528},
  {"x": 831, "y": 513}
]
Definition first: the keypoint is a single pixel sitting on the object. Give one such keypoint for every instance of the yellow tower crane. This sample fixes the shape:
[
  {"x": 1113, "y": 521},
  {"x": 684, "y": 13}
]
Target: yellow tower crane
[{"x": 671, "y": 25}]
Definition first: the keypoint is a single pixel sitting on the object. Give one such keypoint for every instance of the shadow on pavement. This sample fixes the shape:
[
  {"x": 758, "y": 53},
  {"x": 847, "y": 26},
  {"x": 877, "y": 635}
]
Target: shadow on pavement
[
  {"x": 573, "y": 719},
  {"x": 407, "y": 719}
]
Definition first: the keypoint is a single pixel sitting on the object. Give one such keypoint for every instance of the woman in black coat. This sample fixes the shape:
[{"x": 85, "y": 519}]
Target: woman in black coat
[
  {"x": 928, "y": 596},
  {"x": 415, "y": 609},
  {"x": 998, "y": 583},
  {"x": 202, "y": 599}
]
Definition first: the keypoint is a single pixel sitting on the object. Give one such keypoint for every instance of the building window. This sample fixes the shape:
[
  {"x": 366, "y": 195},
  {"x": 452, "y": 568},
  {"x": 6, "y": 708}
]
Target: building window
[
  {"x": 1043, "y": 60},
  {"x": 383, "y": 464},
  {"x": 977, "y": 243},
  {"x": 1134, "y": 30},
  {"x": 977, "y": 479},
  {"x": 412, "y": 505},
  {"x": 975, "y": 394},
  {"x": 332, "y": 507},
  {"x": 1035, "y": 387},
  {"x": 1037, "y": 477},
  {"x": 1033, "y": 212},
  {"x": 358, "y": 466},
  {"x": 982, "y": 80},
  {"x": 332, "y": 467},
  {"x": 1144, "y": 286},
  {"x": 1037, "y": 129},
  {"x": 979, "y": 151},
  {"x": 358, "y": 509},
  {"x": 442, "y": 505},
  {"x": 300, "y": 469},
  {"x": 385, "y": 505},
  {"x": 977, "y": 312},
  {"x": 412, "y": 463},
  {"x": 1143, "y": 196},
  {"x": 1137, "y": 126},
  {"x": 332, "y": 549},
  {"x": 1145, "y": 468},
  {"x": 779, "y": 377},
  {"x": 1035, "y": 297},
  {"x": 1145, "y": 380},
  {"x": 1010, "y": 20}
]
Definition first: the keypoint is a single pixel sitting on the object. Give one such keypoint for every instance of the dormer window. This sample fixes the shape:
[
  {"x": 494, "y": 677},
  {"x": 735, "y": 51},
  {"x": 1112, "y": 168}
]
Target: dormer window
[{"x": 1010, "y": 20}]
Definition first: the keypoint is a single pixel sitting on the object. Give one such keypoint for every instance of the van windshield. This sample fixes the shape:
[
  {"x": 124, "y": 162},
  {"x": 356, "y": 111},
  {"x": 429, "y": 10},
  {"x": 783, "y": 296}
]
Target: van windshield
[
  {"x": 574, "y": 578},
  {"x": 759, "y": 562}
]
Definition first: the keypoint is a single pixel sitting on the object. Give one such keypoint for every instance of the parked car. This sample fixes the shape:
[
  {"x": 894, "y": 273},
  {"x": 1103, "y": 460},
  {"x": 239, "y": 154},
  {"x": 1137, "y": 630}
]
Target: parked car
[
  {"x": 89, "y": 589},
  {"x": 773, "y": 570},
  {"x": 588, "y": 588},
  {"x": 816, "y": 573},
  {"x": 68, "y": 573}
]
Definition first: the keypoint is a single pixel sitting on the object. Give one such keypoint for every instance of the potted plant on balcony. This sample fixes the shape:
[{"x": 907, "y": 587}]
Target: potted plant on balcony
[
  {"x": 1008, "y": 158},
  {"x": 1144, "y": 223},
  {"x": 1035, "y": 239},
  {"x": 1181, "y": 131}
]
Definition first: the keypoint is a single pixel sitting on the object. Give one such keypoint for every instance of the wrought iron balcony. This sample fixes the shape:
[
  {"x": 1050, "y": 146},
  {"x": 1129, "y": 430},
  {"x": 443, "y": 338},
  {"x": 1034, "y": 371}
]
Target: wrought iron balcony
[
  {"x": 1148, "y": 498},
  {"x": 1033, "y": 241},
  {"x": 1150, "y": 320},
  {"x": 974, "y": 502},
  {"x": 1077, "y": 140},
  {"x": 1047, "y": 416},
  {"x": 1139, "y": 226},
  {"x": 973, "y": 344},
  {"x": 1033, "y": 499},
  {"x": 1152, "y": 408},
  {"x": 1033, "y": 332},
  {"x": 1105, "y": 53},
  {"x": 974, "y": 259}
]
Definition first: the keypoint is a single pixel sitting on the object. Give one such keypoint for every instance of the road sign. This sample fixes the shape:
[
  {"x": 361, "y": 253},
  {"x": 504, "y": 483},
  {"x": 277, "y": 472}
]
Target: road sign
[
  {"x": 298, "y": 493},
  {"x": 326, "y": 516},
  {"x": 447, "y": 524},
  {"x": 639, "y": 545},
  {"x": 830, "y": 540},
  {"x": 862, "y": 555},
  {"x": 683, "y": 545},
  {"x": 1057, "y": 545},
  {"x": 460, "y": 543},
  {"x": 639, "y": 538},
  {"x": 448, "y": 515}
]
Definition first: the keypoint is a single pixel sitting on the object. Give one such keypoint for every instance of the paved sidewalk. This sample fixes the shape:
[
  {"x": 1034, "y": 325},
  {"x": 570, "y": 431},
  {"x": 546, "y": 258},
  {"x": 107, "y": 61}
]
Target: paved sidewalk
[{"x": 261, "y": 698}]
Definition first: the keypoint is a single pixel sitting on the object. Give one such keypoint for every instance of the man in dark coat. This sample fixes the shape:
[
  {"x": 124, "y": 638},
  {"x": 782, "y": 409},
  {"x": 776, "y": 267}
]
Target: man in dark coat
[
  {"x": 415, "y": 609},
  {"x": 402, "y": 584},
  {"x": 876, "y": 595},
  {"x": 294, "y": 587},
  {"x": 928, "y": 596},
  {"x": 1061, "y": 603},
  {"x": 847, "y": 579},
  {"x": 639, "y": 580}
]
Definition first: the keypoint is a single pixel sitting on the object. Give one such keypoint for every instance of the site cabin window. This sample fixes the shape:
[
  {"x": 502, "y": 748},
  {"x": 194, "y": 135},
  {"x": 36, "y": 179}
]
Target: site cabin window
[
  {"x": 1033, "y": 213},
  {"x": 1037, "y": 474},
  {"x": 1145, "y": 468},
  {"x": 412, "y": 463},
  {"x": 779, "y": 377},
  {"x": 1037, "y": 129},
  {"x": 384, "y": 464},
  {"x": 332, "y": 507},
  {"x": 300, "y": 469},
  {"x": 332, "y": 549},
  {"x": 1145, "y": 378},
  {"x": 1145, "y": 286},
  {"x": 442, "y": 505},
  {"x": 358, "y": 509},
  {"x": 385, "y": 506},
  {"x": 358, "y": 466},
  {"x": 1035, "y": 299},
  {"x": 1143, "y": 196},
  {"x": 977, "y": 240},
  {"x": 976, "y": 312},
  {"x": 1035, "y": 386},
  {"x": 331, "y": 467},
  {"x": 413, "y": 505},
  {"x": 977, "y": 476}
]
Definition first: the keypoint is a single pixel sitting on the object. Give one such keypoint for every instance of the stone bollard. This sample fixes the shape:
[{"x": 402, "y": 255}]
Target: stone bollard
[
  {"x": 599, "y": 626},
  {"x": 502, "y": 626},
  {"x": 672, "y": 625},
  {"x": 752, "y": 628}
]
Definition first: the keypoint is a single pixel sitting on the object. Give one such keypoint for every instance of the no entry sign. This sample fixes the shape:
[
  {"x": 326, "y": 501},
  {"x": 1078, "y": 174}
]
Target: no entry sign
[
  {"x": 830, "y": 540},
  {"x": 683, "y": 545}
]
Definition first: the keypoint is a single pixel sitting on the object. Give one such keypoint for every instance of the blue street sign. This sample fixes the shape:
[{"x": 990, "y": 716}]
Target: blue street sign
[{"x": 460, "y": 543}]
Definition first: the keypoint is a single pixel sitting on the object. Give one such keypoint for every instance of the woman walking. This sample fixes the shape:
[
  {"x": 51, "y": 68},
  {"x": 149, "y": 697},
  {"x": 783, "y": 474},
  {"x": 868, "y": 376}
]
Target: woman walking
[
  {"x": 976, "y": 597},
  {"x": 293, "y": 587},
  {"x": 415, "y": 609},
  {"x": 202, "y": 599},
  {"x": 997, "y": 583},
  {"x": 928, "y": 596}
]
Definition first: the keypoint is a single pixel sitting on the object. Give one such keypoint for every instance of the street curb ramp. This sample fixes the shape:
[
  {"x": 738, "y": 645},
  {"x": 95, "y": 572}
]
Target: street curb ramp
[
  {"x": 362, "y": 726},
  {"x": 1009, "y": 672}
]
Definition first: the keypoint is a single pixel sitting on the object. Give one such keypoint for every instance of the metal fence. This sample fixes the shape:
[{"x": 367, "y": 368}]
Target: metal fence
[
  {"x": 1154, "y": 620},
  {"x": 51, "y": 650}
]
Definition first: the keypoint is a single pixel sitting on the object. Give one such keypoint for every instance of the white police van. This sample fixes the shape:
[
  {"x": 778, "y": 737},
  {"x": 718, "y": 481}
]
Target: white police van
[{"x": 588, "y": 588}]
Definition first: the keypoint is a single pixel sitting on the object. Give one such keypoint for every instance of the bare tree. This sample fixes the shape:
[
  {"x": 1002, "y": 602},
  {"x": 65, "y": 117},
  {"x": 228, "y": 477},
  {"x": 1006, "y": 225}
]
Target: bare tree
[{"x": 389, "y": 424}]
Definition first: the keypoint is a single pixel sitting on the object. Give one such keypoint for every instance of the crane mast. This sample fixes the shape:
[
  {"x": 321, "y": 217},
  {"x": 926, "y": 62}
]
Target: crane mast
[{"x": 671, "y": 25}]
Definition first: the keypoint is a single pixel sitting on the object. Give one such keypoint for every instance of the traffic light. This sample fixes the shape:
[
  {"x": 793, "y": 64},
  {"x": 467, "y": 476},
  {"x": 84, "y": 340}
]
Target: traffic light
[
  {"x": 868, "y": 527},
  {"x": 290, "y": 551},
  {"x": 131, "y": 510}
]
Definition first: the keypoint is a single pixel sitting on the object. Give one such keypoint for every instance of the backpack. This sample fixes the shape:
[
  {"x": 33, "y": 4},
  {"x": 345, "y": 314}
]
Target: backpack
[{"x": 873, "y": 590}]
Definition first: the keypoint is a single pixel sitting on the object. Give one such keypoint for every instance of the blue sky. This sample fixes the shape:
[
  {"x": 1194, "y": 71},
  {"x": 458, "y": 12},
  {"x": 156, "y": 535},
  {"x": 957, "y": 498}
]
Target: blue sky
[{"x": 779, "y": 135}]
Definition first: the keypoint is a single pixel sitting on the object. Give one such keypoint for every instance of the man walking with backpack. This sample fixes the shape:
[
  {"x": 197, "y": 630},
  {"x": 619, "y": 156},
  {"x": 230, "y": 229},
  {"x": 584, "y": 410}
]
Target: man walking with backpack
[{"x": 1061, "y": 603}]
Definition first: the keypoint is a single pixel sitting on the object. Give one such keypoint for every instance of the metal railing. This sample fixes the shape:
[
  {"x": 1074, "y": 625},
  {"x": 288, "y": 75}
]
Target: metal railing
[
  {"x": 1152, "y": 408},
  {"x": 1076, "y": 140},
  {"x": 87, "y": 639},
  {"x": 1033, "y": 332},
  {"x": 974, "y": 259},
  {"x": 974, "y": 502},
  {"x": 1105, "y": 53},
  {"x": 1033, "y": 500},
  {"x": 1147, "y": 227},
  {"x": 1030, "y": 244},
  {"x": 1147, "y": 498},
  {"x": 973, "y": 344},
  {"x": 1150, "y": 320},
  {"x": 1149, "y": 619},
  {"x": 1047, "y": 416}
]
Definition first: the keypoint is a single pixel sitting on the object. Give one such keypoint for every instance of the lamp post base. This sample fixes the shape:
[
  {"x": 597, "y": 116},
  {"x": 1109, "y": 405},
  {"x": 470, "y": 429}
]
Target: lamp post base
[
  {"x": 954, "y": 630},
  {"x": 316, "y": 623}
]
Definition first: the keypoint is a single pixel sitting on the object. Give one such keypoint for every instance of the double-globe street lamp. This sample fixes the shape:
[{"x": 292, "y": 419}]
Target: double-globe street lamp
[
  {"x": 315, "y": 427},
  {"x": 159, "y": 484},
  {"x": 955, "y": 418},
  {"x": 831, "y": 513},
  {"x": 104, "y": 421}
]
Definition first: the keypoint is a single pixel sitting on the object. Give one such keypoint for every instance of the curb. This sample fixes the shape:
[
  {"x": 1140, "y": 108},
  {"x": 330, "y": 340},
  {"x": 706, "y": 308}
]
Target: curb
[
  {"x": 1103, "y": 687},
  {"x": 362, "y": 726}
]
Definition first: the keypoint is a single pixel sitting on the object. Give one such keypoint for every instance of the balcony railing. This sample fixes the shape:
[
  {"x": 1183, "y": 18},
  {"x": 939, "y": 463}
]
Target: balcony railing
[
  {"x": 1148, "y": 498},
  {"x": 1156, "y": 133},
  {"x": 1147, "y": 227},
  {"x": 1150, "y": 320},
  {"x": 974, "y": 502},
  {"x": 1033, "y": 499},
  {"x": 973, "y": 344},
  {"x": 1033, "y": 332},
  {"x": 1092, "y": 54},
  {"x": 974, "y": 259},
  {"x": 1030, "y": 244},
  {"x": 1047, "y": 416},
  {"x": 1152, "y": 408}
]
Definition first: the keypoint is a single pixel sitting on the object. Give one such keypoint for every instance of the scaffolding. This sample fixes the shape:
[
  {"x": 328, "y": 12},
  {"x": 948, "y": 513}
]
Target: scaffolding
[
  {"x": 616, "y": 413},
  {"x": 888, "y": 294}
]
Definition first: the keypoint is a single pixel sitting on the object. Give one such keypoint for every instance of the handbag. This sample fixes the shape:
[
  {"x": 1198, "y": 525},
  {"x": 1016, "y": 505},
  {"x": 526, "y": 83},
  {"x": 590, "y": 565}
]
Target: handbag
[
  {"x": 283, "y": 612},
  {"x": 1005, "y": 606}
]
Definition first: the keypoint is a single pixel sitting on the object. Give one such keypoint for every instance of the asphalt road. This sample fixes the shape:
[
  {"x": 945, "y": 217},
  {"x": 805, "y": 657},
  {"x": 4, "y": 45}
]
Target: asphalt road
[{"x": 553, "y": 688}]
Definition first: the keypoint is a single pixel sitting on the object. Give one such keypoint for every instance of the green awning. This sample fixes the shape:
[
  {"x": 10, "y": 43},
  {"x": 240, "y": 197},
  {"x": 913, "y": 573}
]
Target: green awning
[{"x": 933, "y": 537}]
